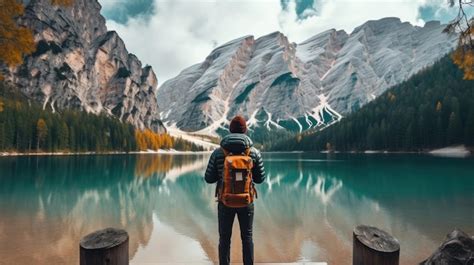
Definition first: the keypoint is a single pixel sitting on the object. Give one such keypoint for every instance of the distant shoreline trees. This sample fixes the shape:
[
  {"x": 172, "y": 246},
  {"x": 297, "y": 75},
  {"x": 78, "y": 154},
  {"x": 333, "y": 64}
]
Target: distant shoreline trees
[
  {"x": 26, "y": 127},
  {"x": 432, "y": 109}
]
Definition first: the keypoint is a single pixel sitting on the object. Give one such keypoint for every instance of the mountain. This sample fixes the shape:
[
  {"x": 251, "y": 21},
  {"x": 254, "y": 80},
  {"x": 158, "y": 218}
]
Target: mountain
[
  {"x": 278, "y": 84},
  {"x": 78, "y": 64},
  {"x": 432, "y": 109}
]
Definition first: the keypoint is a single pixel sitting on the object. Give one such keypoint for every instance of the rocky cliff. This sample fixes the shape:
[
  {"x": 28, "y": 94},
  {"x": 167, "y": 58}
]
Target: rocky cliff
[
  {"x": 279, "y": 84},
  {"x": 79, "y": 64}
]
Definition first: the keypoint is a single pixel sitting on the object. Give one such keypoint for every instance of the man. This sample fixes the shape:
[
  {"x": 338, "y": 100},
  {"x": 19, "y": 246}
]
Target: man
[{"x": 239, "y": 146}]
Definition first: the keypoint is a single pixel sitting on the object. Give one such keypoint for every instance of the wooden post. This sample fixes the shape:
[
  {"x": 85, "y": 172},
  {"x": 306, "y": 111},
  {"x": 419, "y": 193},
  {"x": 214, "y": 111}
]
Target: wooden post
[
  {"x": 105, "y": 247},
  {"x": 373, "y": 246}
]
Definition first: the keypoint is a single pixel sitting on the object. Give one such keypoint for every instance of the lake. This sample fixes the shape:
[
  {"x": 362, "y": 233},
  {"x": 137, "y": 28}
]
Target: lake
[{"x": 306, "y": 208}]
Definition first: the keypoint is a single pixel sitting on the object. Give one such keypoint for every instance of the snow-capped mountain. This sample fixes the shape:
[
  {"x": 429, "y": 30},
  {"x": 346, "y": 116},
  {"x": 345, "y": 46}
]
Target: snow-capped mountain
[{"x": 278, "y": 84}]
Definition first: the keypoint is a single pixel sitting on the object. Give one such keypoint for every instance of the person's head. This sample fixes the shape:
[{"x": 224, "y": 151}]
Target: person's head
[{"x": 238, "y": 125}]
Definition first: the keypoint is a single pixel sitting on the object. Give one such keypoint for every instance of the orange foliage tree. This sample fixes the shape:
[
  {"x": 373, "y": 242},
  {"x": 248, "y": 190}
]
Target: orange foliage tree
[
  {"x": 140, "y": 140},
  {"x": 15, "y": 41},
  {"x": 463, "y": 56},
  {"x": 147, "y": 139},
  {"x": 41, "y": 132}
]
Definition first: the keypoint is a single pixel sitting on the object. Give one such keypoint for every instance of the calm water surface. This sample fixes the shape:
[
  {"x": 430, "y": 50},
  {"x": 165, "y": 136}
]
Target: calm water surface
[{"x": 306, "y": 210}]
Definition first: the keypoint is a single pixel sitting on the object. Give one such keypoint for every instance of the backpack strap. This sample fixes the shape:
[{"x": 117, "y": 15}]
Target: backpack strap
[
  {"x": 220, "y": 182},
  {"x": 254, "y": 190},
  {"x": 226, "y": 153},
  {"x": 247, "y": 151},
  {"x": 216, "y": 193}
]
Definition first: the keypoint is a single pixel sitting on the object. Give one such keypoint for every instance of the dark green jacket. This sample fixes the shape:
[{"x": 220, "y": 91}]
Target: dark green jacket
[{"x": 235, "y": 143}]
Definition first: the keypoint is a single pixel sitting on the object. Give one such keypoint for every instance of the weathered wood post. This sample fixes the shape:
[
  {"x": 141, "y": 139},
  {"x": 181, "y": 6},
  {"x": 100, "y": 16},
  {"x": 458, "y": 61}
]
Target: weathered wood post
[
  {"x": 105, "y": 247},
  {"x": 372, "y": 246}
]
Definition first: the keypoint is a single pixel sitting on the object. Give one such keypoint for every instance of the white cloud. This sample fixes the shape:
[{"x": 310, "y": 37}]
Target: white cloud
[
  {"x": 183, "y": 32},
  {"x": 346, "y": 15}
]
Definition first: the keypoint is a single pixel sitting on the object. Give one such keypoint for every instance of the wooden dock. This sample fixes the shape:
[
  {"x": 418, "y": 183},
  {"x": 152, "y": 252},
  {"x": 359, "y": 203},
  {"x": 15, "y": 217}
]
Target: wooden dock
[
  {"x": 371, "y": 246},
  {"x": 210, "y": 263}
]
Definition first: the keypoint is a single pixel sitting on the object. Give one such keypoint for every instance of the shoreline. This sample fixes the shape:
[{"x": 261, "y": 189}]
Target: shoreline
[
  {"x": 153, "y": 152},
  {"x": 452, "y": 151}
]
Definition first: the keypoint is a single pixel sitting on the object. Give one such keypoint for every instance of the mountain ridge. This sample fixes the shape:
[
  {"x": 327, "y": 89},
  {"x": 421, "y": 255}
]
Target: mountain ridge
[
  {"x": 292, "y": 85},
  {"x": 432, "y": 109}
]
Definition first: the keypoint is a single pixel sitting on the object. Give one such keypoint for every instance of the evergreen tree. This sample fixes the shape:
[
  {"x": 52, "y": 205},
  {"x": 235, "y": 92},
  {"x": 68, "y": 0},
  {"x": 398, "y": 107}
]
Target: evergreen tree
[
  {"x": 469, "y": 128},
  {"x": 454, "y": 129},
  {"x": 26, "y": 127},
  {"x": 41, "y": 133},
  {"x": 63, "y": 136},
  {"x": 432, "y": 109}
]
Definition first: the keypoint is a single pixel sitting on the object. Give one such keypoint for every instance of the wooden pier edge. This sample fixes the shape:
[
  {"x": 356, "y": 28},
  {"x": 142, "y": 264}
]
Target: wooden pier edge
[
  {"x": 373, "y": 246},
  {"x": 106, "y": 246}
]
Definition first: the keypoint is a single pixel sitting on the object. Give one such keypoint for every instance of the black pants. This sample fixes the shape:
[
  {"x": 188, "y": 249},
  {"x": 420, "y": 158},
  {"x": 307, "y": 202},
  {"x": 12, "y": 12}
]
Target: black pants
[{"x": 226, "y": 220}]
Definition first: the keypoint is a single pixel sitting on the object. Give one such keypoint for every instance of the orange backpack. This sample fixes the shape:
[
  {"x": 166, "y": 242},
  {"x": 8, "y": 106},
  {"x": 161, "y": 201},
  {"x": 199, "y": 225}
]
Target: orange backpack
[{"x": 237, "y": 188}]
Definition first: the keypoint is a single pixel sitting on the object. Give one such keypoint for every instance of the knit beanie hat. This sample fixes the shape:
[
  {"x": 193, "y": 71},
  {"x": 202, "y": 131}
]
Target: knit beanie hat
[{"x": 238, "y": 125}]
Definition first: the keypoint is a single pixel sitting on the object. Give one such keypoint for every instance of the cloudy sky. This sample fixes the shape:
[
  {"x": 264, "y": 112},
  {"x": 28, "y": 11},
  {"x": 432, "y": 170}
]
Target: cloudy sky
[{"x": 171, "y": 35}]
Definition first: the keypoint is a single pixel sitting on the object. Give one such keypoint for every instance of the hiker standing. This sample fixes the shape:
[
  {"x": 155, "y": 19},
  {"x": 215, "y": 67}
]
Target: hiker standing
[{"x": 235, "y": 166}]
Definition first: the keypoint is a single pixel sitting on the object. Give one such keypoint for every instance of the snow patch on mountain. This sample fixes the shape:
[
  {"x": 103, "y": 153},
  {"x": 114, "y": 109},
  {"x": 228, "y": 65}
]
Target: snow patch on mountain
[
  {"x": 190, "y": 137},
  {"x": 276, "y": 84}
]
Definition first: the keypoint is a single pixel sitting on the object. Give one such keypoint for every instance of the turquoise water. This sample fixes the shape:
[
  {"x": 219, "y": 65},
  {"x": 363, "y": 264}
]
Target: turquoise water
[{"x": 306, "y": 209}]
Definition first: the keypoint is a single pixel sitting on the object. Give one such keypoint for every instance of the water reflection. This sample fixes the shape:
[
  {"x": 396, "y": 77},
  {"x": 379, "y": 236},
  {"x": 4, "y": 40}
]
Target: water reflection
[{"x": 306, "y": 209}]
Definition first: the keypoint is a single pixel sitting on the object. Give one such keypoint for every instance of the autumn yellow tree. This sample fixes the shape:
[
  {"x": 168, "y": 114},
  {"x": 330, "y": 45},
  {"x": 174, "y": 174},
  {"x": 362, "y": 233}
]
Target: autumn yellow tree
[
  {"x": 140, "y": 140},
  {"x": 148, "y": 139},
  {"x": 41, "y": 132},
  {"x": 464, "y": 58},
  {"x": 1, "y": 105},
  {"x": 463, "y": 25},
  {"x": 15, "y": 40}
]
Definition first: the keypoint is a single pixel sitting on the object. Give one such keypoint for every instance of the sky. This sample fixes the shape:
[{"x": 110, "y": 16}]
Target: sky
[{"x": 171, "y": 35}]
